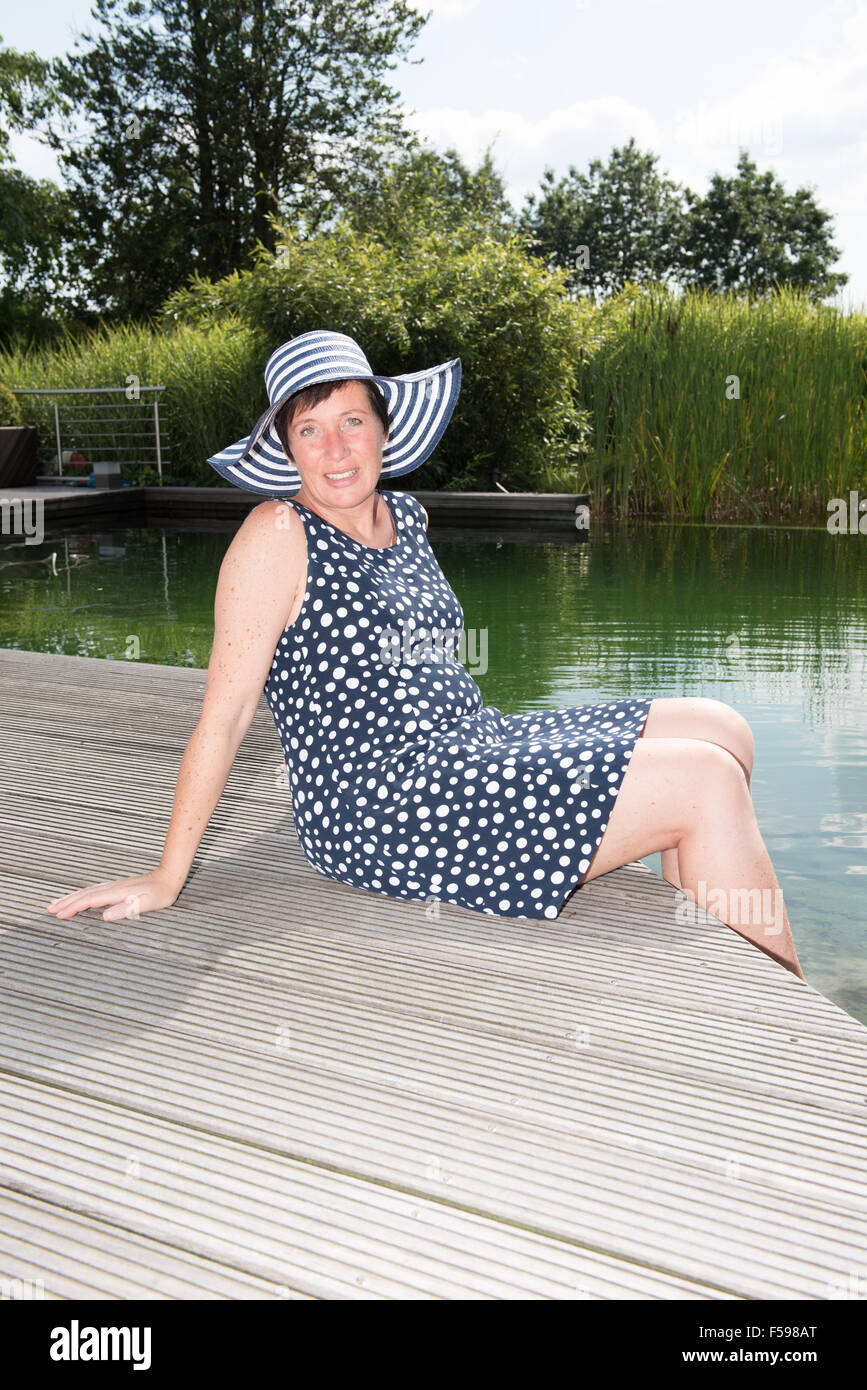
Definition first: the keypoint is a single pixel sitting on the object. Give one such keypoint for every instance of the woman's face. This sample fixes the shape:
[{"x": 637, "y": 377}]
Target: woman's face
[{"x": 337, "y": 448}]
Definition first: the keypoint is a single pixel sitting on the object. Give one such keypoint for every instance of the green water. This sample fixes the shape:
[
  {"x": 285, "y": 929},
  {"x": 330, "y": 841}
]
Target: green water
[{"x": 773, "y": 621}]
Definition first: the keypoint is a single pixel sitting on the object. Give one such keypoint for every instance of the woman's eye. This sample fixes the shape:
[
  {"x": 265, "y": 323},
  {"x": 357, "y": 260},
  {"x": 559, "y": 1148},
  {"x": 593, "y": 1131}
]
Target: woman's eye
[{"x": 307, "y": 431}]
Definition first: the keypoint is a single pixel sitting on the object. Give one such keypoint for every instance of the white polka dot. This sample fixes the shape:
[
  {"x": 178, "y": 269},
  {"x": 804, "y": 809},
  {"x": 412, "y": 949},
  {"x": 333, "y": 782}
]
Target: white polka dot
[{"x": 403, "y": 781}]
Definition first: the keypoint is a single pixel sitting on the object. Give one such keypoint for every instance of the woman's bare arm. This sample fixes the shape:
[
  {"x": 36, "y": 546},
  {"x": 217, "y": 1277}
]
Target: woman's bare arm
[{"x": 259, "y": 577}]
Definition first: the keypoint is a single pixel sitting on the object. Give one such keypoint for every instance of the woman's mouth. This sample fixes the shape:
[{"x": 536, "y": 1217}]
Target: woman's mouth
[{"x": 340, "y": 479}]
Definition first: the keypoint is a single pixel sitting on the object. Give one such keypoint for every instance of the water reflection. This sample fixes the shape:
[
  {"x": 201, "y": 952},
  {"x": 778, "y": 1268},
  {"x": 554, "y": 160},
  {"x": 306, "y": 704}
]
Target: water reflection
[{"x": 772, "y": 621}]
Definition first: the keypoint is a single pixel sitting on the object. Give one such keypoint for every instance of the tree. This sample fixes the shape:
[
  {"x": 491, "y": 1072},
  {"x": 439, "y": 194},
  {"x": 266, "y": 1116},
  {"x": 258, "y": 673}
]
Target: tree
[
  {"x": 199, "y": 120},
  {"x": 622, "y": 221},
  {"x": 34, "y": 214},
  {"x": 439, "y": 295},
  {"x": 22, "y": 82},
  {"x": 420, "y": 189},
  {"x": 747, "y": 234},
  {"x": 36, "y": 275}
]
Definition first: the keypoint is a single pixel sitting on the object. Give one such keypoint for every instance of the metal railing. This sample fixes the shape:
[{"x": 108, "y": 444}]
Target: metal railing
[{"x": 101, "y": 426}]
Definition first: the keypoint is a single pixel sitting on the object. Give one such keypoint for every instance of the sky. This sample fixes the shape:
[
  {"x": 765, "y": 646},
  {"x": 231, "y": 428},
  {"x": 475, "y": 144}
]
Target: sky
[{"x": 554, "y": 83}]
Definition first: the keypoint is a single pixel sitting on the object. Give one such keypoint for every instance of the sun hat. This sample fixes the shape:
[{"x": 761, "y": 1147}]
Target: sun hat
[{"x": 419, "y": 406}]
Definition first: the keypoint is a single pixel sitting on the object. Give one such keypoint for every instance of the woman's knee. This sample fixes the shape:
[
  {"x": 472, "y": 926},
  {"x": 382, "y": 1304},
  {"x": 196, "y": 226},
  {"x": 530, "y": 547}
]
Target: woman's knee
[
  {"x": 669, "y": 785},
  {"x": 705, "y": 779},
  {"x": 714, "y": 767},
  {"x": 700, "y": 717},
  {"x": 736, "y": 736}
]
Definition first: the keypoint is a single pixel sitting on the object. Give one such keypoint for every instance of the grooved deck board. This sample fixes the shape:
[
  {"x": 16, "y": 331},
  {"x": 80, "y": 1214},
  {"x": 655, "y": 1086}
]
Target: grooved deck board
[{"x": 285, "y": 1087}]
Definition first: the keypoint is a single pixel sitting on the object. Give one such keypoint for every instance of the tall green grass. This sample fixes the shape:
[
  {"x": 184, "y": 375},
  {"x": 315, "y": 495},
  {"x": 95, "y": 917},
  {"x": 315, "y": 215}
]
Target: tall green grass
[
  {"x": 652, "y": 371},
  {"x": 212, "y": 375},
  {"x": 669, "y": 436}
]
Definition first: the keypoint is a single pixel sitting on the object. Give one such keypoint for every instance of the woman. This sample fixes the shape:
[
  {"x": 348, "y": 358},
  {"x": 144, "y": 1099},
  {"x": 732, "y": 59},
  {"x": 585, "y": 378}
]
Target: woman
[{"x": 403, "y": 782}]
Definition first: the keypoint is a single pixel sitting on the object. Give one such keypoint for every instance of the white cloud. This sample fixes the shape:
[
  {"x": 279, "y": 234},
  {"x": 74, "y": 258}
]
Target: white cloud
[
  {"x": 806, "y": 115},
  {"x": 802, "y": 114},
  {"x": 448, "y": 9},
  {"x": 809, "y": 109},
  {"x": 522, "y": 146}
]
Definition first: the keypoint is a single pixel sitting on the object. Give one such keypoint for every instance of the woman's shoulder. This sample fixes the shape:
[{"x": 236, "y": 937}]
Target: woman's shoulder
[
  {"x": 410, "y": 503},
  {"x": 273, "y": 512},
  {"x": 271, "y": 527}
]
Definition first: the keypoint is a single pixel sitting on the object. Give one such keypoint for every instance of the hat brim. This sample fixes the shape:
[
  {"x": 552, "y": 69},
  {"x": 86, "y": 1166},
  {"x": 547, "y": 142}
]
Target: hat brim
[{"x": 419, "y": 404}]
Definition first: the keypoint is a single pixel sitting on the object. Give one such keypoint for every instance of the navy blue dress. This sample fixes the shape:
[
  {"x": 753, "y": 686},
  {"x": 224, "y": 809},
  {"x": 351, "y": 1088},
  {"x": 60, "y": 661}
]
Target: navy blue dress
[{"x": 403, "y": 780}]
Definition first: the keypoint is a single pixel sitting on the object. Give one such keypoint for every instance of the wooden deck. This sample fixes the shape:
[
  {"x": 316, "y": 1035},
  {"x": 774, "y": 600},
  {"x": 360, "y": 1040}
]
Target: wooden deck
[
  {"x": 284, "y": 1087},
  {"x": 539, "y": 513}
]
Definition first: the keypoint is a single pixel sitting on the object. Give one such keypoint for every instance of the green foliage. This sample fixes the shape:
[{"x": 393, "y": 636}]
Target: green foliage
[
  {"x": 668, "y": 432},
  {"x": 212, "y": 376},
  {"x": 420, "y": 190},
  {"x": 194, "y": 124},
  {"x": 22, "y": 84},
  {"x": 10, "y": 410},
  {"x": 34, "y": 214},
  {"x": 620, "y": 223},
  {"x": 675, "y": 434},
  {"x": 748, "y": 234},
  {"x": 35, "y": 269},
  {"x": 443, "y": 294}
]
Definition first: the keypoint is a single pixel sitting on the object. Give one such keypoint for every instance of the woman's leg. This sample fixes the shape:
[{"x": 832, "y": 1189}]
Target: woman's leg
[
  {"x": 693, "y": 795},
  {"x": 698, "y": 717}
]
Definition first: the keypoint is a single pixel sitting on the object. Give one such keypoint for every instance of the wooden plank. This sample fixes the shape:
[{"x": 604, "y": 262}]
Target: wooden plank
[
  {"x": 58, "y": 1253},
  {"x": 536, "y": 511},
  {"x": 81, "y": 505},
  {"x": 531, "y": 512},
  {"x": 657, "y": 1108}
]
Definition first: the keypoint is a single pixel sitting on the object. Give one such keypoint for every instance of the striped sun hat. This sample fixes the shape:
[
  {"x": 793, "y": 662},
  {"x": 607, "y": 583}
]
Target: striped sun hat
[{"x": 419, "y": 406}]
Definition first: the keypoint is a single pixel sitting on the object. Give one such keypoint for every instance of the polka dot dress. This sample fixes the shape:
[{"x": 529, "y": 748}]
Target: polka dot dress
[{"x": 403, "y": 781}]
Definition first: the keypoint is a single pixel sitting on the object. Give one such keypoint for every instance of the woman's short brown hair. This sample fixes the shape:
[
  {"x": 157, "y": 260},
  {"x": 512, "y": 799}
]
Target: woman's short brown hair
[{"x": 315, "y": 395}]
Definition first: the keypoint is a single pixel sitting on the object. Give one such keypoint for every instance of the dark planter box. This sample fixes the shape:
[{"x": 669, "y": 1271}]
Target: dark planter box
[{"x": 17, "y": 455}]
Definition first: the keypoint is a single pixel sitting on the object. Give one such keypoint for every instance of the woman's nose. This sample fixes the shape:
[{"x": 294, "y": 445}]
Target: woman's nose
[{"x": 334, "y": 446}]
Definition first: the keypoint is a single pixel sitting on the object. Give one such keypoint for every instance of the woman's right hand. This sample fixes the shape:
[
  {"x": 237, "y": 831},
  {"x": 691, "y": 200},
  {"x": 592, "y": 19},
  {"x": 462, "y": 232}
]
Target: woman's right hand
[{"x": 122, "y": 897}]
